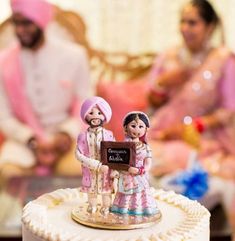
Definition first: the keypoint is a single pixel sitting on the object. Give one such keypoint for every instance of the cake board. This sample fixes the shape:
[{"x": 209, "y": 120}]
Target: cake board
[{"x": 113, "y": 220}]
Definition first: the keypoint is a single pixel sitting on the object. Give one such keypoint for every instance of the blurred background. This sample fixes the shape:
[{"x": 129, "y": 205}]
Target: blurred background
[
  {"x": 122, "y": 39},
  {"x": 147, "y": 23}
]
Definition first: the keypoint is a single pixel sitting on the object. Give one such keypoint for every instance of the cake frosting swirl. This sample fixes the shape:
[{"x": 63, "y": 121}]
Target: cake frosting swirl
[{"x": 48, "y": 218}]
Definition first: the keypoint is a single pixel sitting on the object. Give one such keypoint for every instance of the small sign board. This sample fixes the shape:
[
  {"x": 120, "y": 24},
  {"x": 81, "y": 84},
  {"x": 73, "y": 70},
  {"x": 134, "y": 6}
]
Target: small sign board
[{"x": 118, "y": 155}]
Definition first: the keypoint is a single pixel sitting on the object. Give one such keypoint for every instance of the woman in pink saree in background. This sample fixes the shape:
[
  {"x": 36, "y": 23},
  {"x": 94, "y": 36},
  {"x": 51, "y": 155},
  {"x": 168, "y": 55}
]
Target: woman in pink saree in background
[
  {"x": 194, "y": 84},
  {"x": 192, "y": 90}
]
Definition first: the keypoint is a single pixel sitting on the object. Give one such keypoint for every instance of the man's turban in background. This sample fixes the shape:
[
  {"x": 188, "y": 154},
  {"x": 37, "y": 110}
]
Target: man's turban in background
[{"x": 38, "y": 11}]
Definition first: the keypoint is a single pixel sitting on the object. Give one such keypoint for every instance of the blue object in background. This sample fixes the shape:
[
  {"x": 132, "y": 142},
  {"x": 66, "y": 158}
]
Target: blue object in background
[{"x": 194, "y": 181}]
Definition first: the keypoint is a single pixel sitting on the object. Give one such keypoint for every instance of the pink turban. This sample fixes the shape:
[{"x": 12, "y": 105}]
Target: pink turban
[
  {"x": 102, "y": 104},
  {"x": 38, "y": 11}
]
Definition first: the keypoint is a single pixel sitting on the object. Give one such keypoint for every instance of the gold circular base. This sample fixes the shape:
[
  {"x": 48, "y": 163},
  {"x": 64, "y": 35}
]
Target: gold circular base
[{"x": 113, "y": 220}]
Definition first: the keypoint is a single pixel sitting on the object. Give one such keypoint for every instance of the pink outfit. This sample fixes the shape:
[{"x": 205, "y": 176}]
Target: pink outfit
[
  {"x": 91, "y": 181},
  {"x": 211, "y": 87},
  {"x": 133, "y": 195},
  {"x": 14, "y": 85},
  {"x": 38, "y": 11},
  {"x": 226, "y": 135},
  {"x": 30, "y": 87},
  {"x": 100, "y": 103}
]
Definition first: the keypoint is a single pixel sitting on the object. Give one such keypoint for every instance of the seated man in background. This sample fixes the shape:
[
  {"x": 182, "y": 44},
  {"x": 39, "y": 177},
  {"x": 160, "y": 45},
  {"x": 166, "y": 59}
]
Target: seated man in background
[{"x": 42, "y": 82}]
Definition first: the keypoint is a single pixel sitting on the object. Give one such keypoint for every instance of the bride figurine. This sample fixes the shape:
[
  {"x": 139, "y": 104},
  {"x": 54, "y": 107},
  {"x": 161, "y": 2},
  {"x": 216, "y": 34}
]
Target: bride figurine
[{"x": 133, "y": 196}]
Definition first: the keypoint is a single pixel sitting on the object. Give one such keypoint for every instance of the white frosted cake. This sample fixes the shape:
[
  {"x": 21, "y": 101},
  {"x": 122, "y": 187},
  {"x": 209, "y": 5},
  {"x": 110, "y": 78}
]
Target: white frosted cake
[{"x": 49, "y": 218}]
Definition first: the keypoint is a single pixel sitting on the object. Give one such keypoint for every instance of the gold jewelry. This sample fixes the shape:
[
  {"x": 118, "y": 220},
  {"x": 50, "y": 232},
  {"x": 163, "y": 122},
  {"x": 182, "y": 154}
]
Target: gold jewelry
[
  {"x": 194, "y": 60},
  {"x": 137, "y": 118}
]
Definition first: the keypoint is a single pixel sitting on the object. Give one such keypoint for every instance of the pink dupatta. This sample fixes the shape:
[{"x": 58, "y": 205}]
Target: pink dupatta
[
  {"x": 211, "y": 87},
  {"x": 197, "y": 96},
  {"x": 14, "y": 85},
  {"x": 226, "y": 135}
]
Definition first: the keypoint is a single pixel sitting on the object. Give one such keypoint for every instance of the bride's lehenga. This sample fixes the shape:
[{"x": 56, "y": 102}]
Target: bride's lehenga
[{"x": 134, "y": 195}]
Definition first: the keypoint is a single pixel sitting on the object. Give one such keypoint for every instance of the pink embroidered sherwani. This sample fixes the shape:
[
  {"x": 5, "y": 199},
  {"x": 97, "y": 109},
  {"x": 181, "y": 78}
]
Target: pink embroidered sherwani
[
  {"x": 40, "y": 93},
  {"x": 88, "y": 152}
]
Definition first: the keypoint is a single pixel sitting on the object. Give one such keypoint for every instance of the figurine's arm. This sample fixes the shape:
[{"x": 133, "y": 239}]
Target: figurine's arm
[
  {"x": 114, "y": 174},
  {"x": 133, "y": 170},
  {"x": 147, "y": 163},
  {"x": 87, "y": 161},
  {"x": 148, "y": 160}
]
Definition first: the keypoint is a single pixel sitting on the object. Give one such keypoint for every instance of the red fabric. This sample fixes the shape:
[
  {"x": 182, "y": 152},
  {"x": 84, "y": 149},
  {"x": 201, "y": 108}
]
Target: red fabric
[
  {"x": 199, "y": 125},
  {"x": 1, "y": 138},
  {"x": 123, "y": 98},
  {"x": 141, "y": 170}
]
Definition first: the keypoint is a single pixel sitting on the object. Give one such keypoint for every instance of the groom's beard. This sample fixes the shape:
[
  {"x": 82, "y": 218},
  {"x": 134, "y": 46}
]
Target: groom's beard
[{"x": 93, "y": 124}]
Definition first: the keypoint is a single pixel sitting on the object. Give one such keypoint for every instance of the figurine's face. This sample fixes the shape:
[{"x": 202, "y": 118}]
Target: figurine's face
[
  {"x": 136, "y": 128},
  {"x": 95, "y": 117}
]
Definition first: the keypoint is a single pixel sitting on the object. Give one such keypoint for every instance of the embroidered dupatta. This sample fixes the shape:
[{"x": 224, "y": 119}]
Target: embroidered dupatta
[
  {"x": 202, "y": 94},
  {"x": 196, "y": 97}
]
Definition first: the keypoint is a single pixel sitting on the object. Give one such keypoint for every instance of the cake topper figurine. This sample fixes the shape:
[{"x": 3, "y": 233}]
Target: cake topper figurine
[
  {"x": 134, "y": 206},
  {"x": 95, "y": 111},
  {"x": 133, "y": 196}
]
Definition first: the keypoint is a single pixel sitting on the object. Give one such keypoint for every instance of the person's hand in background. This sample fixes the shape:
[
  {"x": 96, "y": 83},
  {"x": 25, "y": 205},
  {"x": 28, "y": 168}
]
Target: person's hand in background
[
  {"x": 44, "y": 151},
  {"x": 62, "y": 142}
]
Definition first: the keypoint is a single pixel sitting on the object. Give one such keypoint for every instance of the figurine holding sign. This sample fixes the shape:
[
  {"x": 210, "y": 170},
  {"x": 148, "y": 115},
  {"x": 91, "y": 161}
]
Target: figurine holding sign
[
  {"x": 133, "y": 196},
  {"x": 95, "y": 111},
  {"x": 101, "y": 156}
]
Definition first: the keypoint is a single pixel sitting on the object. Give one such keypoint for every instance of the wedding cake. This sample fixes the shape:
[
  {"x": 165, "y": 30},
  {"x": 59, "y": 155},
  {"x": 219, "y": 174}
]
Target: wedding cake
[
  {"x": 115, "y": 195},
  {"x": 49, "y": 218}
]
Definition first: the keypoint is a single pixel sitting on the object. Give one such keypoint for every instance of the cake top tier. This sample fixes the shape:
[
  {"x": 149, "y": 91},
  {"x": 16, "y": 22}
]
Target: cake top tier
[{"x": 48, "y": 217}]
